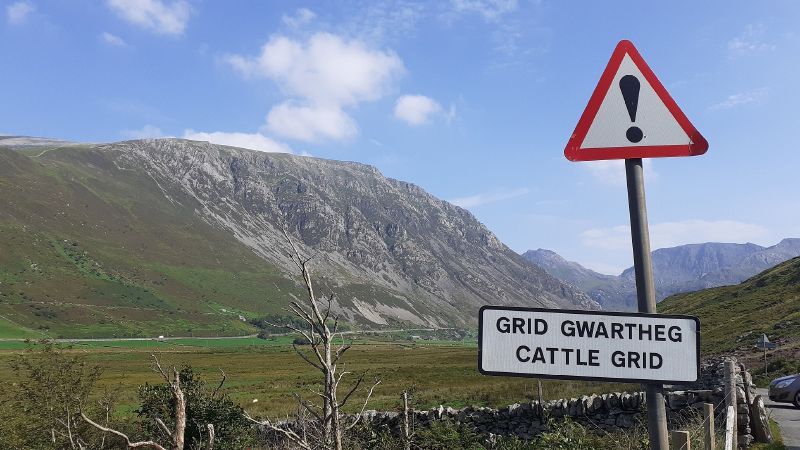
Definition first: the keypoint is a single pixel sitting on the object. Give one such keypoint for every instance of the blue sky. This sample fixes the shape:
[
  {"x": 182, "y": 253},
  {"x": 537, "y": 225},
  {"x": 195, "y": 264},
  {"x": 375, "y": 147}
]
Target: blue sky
[{"x": 473, "y": 100}]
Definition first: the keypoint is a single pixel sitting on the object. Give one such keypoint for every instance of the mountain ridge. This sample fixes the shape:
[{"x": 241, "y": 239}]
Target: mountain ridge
[
  {"x": 152, "y": 219},
  {"x": 679, "y": 269}
]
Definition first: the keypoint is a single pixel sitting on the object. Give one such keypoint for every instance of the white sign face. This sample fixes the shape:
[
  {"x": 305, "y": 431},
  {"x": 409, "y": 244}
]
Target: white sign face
[
  {"x": 647, "y": 112},
  {"x": 611, "y": 346}
]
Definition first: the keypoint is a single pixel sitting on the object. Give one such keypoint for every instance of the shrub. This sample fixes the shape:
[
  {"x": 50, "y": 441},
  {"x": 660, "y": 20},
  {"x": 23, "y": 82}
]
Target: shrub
[
  {"x": 446, "y": 435},
  {"x": 40, "y": 408},
  {"x": 567, "y": 435},
  {"x": 203, "y": 406}
]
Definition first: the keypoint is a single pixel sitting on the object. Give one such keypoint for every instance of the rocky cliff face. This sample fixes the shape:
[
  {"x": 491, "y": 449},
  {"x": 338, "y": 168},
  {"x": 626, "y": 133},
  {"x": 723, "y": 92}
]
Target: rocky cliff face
[
  {"x": 361, "y": 227},
  {"x": 389, "y": 250}
]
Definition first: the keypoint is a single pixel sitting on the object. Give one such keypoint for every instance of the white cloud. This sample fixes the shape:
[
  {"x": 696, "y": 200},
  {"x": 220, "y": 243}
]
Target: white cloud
[
  {"x": 416, "y": 109},
  {"x": 488, "y": 9},
  {"x": 749, "y": 41},
  {"x": 112, "y": 39},
  {"x": 158, "y": 16},
  {"x": 386, "y": 20},
  {"x": 612, "y": 172},
  {"x": 146, "y": 132},
  {"x": 321, "y": 77},
  {"x": 310, "y": 123},
  {"x": 756, "y": 96},
  {"x": 671, "y": 234},
  {"x": 326, "y": 69},
  {"x": 17, "y": 13},
  {"x": 301, "y": 17},
  {"x": 473, "y": 201},
  {"x": 253, "y": 141}
]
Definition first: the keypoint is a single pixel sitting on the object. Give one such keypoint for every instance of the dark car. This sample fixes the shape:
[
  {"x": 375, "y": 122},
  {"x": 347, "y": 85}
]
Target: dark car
[{"x": 786, "y": 390}]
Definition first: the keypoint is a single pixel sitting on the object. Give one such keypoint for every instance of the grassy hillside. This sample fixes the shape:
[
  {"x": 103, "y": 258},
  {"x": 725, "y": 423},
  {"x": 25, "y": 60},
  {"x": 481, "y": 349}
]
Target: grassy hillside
[
  {"x": 88, "y": 250},
  {"x": 175, "y": 237},
  {"x": 734, "y": 317}
]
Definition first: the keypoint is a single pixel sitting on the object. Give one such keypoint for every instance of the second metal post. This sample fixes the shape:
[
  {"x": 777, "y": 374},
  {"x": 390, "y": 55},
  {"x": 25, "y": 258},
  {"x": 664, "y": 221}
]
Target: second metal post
[{"x": 645, "y": 293}]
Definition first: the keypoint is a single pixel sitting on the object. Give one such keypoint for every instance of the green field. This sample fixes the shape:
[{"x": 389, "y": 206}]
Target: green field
[
  {"x": 10, "y": 330},
  {"x": 162, "y": 345},
  {"x": 270, "y": 371}
]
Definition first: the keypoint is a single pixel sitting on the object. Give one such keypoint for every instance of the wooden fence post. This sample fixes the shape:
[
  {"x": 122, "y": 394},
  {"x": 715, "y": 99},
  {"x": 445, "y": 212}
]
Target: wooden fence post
[
  {"x": 406, "y": 423},
  {"x": 680, "y": 440},
  {"x": 541, "y": 396},
  {"x": 730, "y": 394},
  {"x": 708, "y": 422},
  {"x": 730, "y": 428}
]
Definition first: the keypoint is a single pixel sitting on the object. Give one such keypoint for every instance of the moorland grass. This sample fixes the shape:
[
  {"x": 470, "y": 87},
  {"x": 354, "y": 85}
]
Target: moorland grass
[{"x": 271, "y": 373}]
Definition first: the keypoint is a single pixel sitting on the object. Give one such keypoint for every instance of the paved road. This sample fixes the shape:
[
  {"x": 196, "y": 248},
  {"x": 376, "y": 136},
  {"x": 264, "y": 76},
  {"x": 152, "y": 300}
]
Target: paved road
[
  {"x": 172, "y": 338},
  {"x": 155, "y": 338},
  {"x": 788, "y": 417}
]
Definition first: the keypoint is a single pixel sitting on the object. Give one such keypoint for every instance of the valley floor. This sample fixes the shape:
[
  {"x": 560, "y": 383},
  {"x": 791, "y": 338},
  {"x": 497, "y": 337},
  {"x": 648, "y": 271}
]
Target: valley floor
[{"x": 263, "y": 374}]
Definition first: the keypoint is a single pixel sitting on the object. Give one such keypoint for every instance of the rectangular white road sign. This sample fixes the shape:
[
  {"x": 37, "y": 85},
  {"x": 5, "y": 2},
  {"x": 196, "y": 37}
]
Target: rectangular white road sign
[{"x": 588, "y": 345}]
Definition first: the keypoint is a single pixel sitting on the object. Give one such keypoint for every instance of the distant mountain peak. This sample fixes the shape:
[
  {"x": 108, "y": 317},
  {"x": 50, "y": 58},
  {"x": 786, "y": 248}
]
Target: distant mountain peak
[{"x": 678, "y": 269}]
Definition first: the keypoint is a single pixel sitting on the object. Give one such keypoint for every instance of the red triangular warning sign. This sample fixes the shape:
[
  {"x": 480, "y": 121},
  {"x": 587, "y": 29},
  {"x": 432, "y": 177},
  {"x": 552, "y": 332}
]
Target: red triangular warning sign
[{"x": 631, "y": 115}]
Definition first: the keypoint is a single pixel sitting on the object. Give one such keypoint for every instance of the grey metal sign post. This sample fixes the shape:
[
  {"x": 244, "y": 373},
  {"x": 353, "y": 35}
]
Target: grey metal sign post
[
  {"x": 645, "y": 292},
  {"x": 631, "y": 116}
]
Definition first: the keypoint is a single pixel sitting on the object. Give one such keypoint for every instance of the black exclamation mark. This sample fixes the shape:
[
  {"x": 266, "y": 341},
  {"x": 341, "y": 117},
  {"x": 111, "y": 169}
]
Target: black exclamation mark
[{"x": 629, "y": 85}]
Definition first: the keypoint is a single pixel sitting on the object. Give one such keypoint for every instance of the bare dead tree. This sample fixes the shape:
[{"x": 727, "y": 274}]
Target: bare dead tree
[
  {"x": 177, "y": 435},
  {"x": 325, "y": 356}
]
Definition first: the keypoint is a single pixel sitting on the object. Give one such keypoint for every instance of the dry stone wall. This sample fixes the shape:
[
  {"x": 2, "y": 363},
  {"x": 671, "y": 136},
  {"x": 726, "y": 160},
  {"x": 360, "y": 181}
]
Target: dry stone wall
[
  {"x": 607, "y": 412},
  {"x": 615, "y": 411}
]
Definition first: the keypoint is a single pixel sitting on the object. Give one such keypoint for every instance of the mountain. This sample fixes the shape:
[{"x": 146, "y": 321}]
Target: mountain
[
  {"x": 679, "y": 269},
  {"x": 735, "y": 316},
  {"x": 610, "y": 291},
  {"x": 171, "y": 236}
]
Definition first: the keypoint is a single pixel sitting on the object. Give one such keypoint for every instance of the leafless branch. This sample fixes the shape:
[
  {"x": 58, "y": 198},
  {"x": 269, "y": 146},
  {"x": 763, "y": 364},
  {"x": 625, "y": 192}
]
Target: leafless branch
[
  {"x": 300, "y": 311},
  {"x": 355, "y": 386},
  {"x": 210, "y": 445},
  {"x": 221, "y": 382},
  {"x": 363, "y": 406},
  {"x": 295, "y": 255},
  {"x": 318, "y": 394},
  {"x": 140, "y": 444},
  {"x": 289, "y": 434},
  {"x": 308, "y": 406},
  {"x": 306, "y": 358},
  {"x": 335, "y": 325},
  {"x": 329, "y": 300},
  {"x": 340, "y": 351},
  {"x": 160, "y": 370},
  {"x": 163, "y": 427}
]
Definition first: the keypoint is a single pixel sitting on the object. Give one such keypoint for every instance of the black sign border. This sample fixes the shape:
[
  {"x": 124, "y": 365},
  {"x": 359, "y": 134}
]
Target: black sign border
[{"x": 583, "y": 312}]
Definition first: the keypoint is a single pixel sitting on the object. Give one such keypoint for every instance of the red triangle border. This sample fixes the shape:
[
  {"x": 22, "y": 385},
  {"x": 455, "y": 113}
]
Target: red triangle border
[{"x": 573, "y": 150}]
